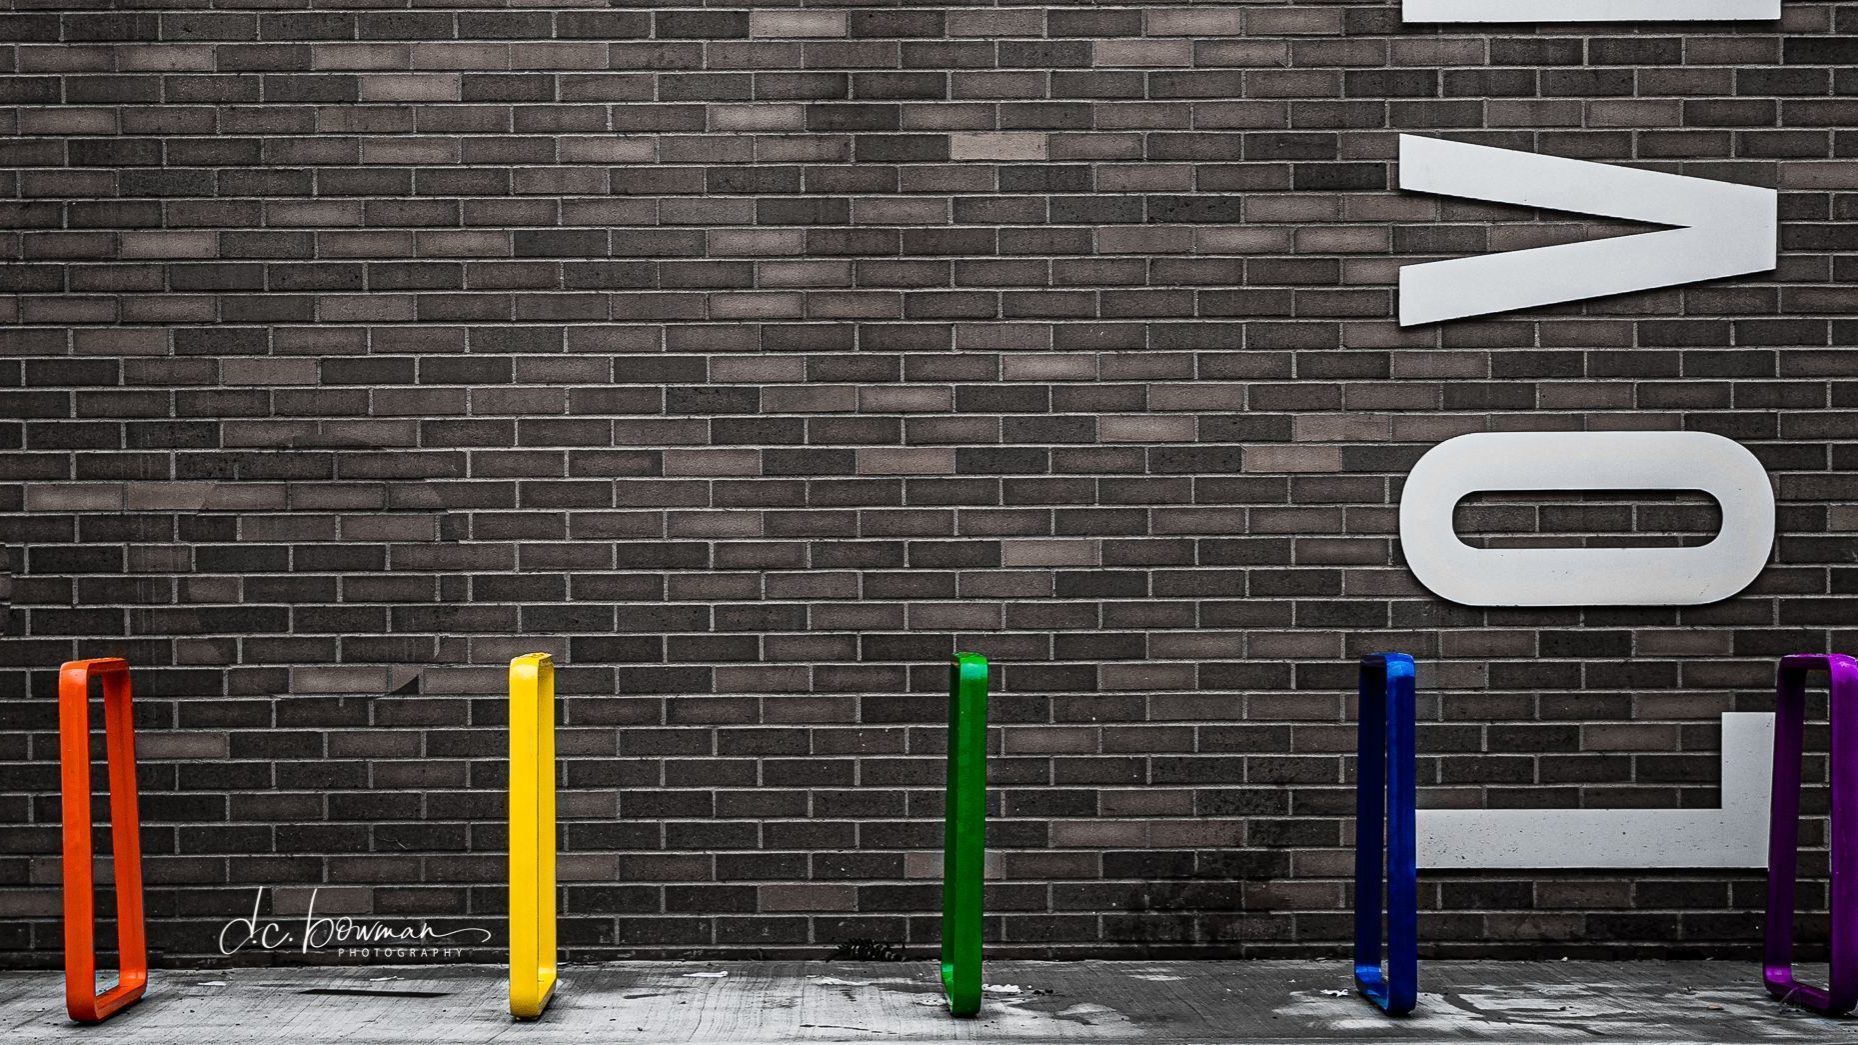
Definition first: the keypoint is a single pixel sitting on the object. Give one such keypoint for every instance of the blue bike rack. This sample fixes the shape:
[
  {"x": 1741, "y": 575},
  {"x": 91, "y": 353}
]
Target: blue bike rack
[{"x": 1384, "y": 803}]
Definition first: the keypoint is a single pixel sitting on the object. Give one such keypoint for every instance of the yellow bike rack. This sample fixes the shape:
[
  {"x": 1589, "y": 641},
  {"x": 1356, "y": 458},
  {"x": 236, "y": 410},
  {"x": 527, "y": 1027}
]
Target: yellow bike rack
[{"x": 532, "y": 834}]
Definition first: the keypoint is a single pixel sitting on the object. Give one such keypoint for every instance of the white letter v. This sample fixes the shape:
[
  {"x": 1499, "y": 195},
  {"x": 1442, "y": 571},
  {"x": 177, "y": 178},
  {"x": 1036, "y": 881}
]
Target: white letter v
[{"x": 1722, "y": 229}]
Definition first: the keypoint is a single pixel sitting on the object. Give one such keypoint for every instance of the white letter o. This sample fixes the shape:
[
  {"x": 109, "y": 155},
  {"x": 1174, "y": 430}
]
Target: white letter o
[{"x": 1567, "y": 461}]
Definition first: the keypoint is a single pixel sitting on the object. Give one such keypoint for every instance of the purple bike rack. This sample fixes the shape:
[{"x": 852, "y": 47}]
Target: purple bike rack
[{"x": 1841, "y": 992}]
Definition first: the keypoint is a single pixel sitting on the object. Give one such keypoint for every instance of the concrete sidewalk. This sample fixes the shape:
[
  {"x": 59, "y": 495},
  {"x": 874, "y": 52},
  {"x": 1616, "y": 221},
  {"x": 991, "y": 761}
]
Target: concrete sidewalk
[{"x": 770, "y": 1002}]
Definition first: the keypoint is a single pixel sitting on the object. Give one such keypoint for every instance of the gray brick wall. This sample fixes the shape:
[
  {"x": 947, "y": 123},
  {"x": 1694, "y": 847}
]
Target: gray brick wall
[{"x": 752, "y": 359}]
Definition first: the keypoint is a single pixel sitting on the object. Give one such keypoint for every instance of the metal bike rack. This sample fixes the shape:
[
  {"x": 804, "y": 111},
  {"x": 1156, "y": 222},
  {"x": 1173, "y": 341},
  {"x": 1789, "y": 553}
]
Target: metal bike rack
[
  {"x": 532, "y": 835},
  {"x": 1384, "y": 802},
  {"x": 964, "y": 834},
  {"x": 1841, "y": 992},
  {"x": 81, "y": 998}
]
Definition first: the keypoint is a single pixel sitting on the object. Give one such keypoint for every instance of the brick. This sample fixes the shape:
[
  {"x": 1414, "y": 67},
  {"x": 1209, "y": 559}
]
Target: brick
[
  {"x": 1018, "y": 145},
  {"x": 788, "y": 24}
]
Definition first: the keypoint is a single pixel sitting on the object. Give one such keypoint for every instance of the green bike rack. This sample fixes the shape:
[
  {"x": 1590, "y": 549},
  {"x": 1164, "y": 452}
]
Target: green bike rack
[{"x": 964, "y": 834}]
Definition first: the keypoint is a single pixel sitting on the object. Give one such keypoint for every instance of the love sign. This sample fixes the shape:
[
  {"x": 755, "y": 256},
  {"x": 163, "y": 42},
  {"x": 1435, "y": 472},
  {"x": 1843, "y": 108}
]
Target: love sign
[{"x": 1715, "y": 230}]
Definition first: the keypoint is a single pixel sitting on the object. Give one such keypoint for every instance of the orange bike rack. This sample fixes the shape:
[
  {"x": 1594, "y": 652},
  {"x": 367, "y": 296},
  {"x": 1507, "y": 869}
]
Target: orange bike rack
[{"x": 81, "y": 998}]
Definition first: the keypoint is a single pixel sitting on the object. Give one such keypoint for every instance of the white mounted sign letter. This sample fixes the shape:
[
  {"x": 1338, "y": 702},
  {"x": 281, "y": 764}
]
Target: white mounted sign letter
[
  {"x": 1590, "y": 10},
  {"x": 1735, "y": 835},
  {"x": 1573, "y": 461},
  {"x": 1722, "y": 230}
]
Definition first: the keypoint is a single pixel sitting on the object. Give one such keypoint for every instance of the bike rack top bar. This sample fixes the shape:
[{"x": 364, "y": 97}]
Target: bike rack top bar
[{"x": 81, "y": 998}]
